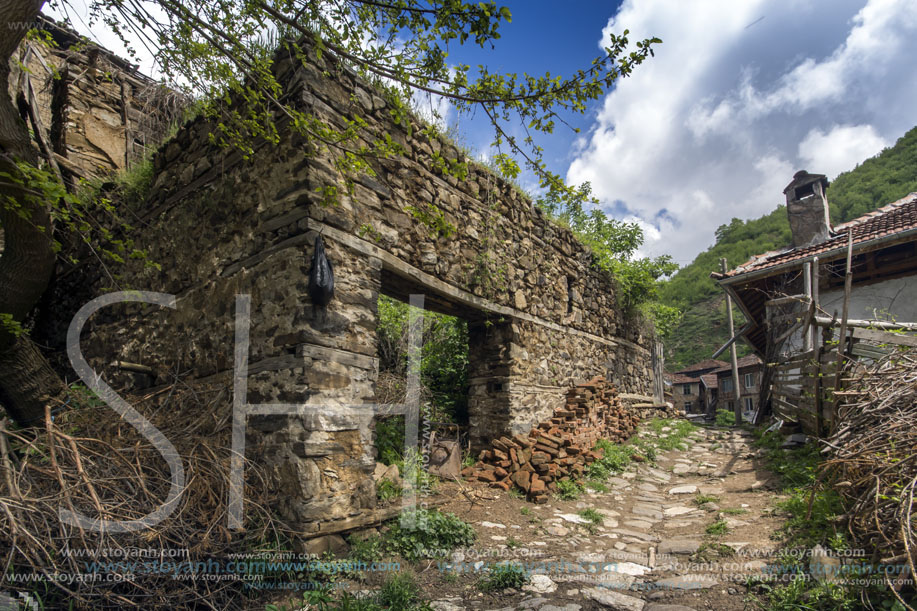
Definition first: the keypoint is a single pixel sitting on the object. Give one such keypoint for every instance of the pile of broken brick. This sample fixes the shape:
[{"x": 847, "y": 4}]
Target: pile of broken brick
[{"x": 560, "y": 448}]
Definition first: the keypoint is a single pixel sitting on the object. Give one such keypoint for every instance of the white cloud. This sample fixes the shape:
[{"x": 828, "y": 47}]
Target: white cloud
[
  {"x": 739, "y": 96},
  {"x": 840, "y": 149}
]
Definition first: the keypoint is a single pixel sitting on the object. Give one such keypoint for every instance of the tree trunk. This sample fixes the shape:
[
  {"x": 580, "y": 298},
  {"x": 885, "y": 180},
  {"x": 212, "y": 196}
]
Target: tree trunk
[{"x": 27, "y": 381}]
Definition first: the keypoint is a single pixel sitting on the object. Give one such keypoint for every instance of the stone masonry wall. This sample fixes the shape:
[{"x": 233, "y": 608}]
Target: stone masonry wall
[
  {"x": 541, "y": 317},
  {"x": 94, "y": 110}
]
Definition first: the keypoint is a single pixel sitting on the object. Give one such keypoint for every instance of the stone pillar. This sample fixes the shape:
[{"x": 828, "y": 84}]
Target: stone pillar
[{"x": 489, "y": 368}]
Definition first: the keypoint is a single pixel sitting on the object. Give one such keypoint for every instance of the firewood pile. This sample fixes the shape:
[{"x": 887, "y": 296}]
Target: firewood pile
[
  {"x": 560, "y": 448},
  {"x": 872, "y": 461}
]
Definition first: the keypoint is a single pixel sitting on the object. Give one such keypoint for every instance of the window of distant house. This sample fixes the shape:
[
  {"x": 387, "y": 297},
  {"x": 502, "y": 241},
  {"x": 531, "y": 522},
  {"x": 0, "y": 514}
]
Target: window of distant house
[
  {"x": 749, "y": 380},
  {"x": 686, "y": 389},
  {"x": 726, "y": 385},
  {"x": 687, "y": 406},
  {"x": 749, "y": 404}
]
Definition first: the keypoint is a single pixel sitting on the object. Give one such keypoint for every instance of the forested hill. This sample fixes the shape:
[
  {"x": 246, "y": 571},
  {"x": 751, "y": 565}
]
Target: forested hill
[{"x": 879, "y": 180}]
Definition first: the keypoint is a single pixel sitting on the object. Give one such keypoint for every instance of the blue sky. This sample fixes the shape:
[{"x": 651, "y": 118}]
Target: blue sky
[{"x": 739, "y": 96}]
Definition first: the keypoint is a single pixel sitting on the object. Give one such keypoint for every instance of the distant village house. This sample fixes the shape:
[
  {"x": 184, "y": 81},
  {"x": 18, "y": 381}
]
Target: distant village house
[{"x": 787, "y": 295}]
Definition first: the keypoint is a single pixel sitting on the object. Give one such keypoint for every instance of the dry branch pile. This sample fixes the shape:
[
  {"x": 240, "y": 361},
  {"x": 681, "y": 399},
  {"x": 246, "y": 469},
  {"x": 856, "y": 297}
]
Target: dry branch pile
[
  {"x": 873, "y": 458},
  {"x": 88, "y": 460},
  {"x": 559, "y": 448}
]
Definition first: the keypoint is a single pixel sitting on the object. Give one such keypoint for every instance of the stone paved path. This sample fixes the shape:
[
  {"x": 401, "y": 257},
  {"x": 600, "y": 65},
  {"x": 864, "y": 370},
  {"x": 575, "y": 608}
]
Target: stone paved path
[{"x": 653, "y": 552}]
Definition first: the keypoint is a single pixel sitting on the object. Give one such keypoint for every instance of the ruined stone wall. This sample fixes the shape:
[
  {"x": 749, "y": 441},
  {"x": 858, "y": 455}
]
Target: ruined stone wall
[
  {"x": 541, "y": 317},
  {"x": 95, "y": 112}
]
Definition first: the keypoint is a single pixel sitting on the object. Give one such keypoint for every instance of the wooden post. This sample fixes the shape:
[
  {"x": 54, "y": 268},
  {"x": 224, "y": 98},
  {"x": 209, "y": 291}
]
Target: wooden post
[
  {"x": 842, "y": 340},
  {"x": 737, "y": 407},
  {"x": 807, "y": 290},
  {"x": 819, "y": 353},
  {"x": 815, "y": 280}
]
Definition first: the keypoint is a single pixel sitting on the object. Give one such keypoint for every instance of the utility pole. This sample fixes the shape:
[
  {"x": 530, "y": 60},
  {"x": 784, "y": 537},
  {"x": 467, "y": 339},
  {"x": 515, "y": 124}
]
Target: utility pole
[{"x": 737, "y": 406}]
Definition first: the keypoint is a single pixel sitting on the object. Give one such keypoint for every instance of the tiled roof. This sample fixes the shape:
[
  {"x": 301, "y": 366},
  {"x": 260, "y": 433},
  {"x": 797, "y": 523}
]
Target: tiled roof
[
  {"x": 709, "y": 380},
  {"x": 887, "y": 220},
  {"x": 707, "y": 364},
  {"x": 745, "y": 361},
  {"x": 677, "y": 378}
]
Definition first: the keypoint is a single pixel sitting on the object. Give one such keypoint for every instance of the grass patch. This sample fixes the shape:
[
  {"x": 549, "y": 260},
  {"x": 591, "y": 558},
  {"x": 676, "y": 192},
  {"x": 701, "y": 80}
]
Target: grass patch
[
  {"x": 798, "y": 472},
  {"x": 418, "y": 534},
  {"x": 734, "y": 511},
  {"x": 400, "y": 591},
  {"x": 675, "y": 437},
  {"x": 595, "y": 520},
  {"x": 803, "y": 594},
  {"x": 503, "y": 576},
  {"x": 797, "y": 469},
  {"x": 569, "y": 490},
  {"x": 700, "y": 499},
  {"x": 709, "y": 552},
  {"x": 717, "y": 529},
  {"x": 597, "y": 485},
  {"x": 593, "y": 516}
]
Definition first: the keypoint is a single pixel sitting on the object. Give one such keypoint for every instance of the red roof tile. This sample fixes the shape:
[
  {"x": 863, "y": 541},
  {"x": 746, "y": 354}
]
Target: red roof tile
[
  {"x": 677, "y": 378},
  {"x": 745, "y": 361},
  {"x": 707, "y": 364},
  {"x": 888, "y": 220}
]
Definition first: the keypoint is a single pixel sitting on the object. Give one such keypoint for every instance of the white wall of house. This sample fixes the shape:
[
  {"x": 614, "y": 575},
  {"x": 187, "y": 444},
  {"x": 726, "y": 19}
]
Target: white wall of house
[{"x": 886, "y": 300}]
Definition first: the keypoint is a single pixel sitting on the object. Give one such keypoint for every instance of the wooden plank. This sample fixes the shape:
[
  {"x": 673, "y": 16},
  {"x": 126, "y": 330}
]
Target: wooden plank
[
  {"x": 788, "y": 392},
  {"x": 824, "y": 321},
  {"x": 785, "y": 404},
  {"x": 884, "y": 337},
  {"x": 873, "y": 352},
  {"x": 802, "y": 357}
]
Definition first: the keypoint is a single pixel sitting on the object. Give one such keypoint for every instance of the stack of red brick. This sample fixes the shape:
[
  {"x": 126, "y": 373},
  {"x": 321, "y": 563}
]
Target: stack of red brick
[{"x": 559, "y": 448}]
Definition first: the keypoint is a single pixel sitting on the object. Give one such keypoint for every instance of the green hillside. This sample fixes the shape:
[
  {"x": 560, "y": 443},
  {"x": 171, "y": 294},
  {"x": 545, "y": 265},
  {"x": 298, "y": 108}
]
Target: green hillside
[{"x": 880, "y": 180}]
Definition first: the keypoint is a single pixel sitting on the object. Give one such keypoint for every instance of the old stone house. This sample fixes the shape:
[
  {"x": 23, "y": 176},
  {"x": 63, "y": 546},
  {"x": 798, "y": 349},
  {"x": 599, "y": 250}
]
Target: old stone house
[
  {"x": 884, "y": 262},
  {"x": 794, "y": 298},
  {"x": 540, "y": 315},
  {"x": 90, "y": 111}
]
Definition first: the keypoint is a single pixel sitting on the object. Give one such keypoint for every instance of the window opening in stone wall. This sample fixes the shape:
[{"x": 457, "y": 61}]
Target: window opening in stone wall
[
  {"x": 569, "y": 294},
  {"x": 805, "y": 191}
]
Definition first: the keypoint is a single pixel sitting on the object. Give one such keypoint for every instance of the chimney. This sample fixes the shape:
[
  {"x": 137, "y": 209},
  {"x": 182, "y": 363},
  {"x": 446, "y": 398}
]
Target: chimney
[{"x": 807, "y": 209}]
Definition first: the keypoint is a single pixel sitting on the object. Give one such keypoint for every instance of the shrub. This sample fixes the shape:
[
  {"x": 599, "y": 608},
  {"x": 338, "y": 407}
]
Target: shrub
[
  {"x": 427, "y": 534},
  {"x": 387, "y": 490},
  {"x": 725, "y": 417}
]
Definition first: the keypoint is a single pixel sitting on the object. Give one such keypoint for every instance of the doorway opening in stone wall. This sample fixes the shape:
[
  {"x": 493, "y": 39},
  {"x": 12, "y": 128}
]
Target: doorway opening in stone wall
[{"x": 443, "y": 378}]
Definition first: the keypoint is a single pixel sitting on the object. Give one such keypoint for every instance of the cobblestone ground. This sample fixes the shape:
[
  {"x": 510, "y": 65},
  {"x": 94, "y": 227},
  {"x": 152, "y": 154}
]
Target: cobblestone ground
[{"x": 678, "y": 535}]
